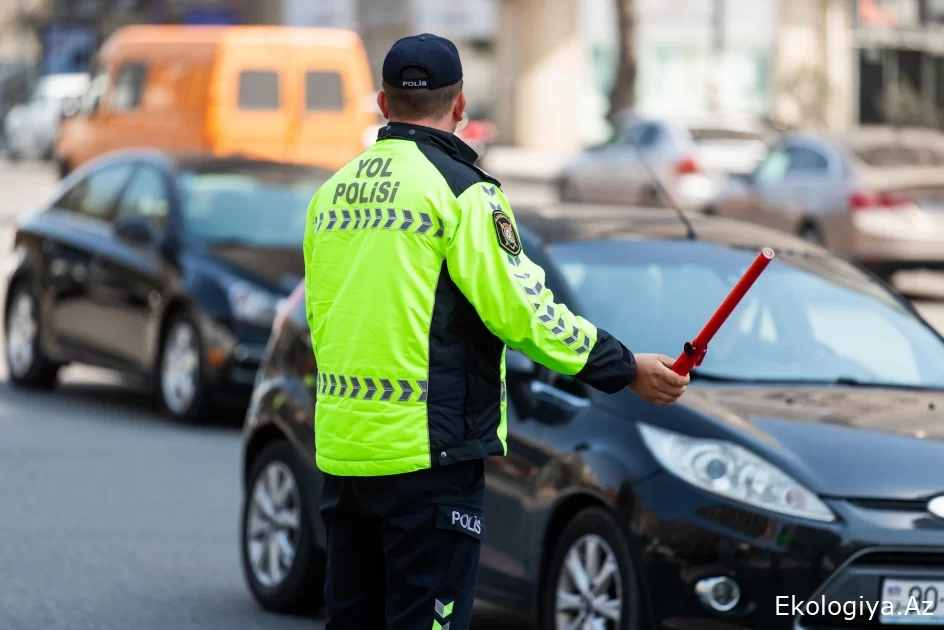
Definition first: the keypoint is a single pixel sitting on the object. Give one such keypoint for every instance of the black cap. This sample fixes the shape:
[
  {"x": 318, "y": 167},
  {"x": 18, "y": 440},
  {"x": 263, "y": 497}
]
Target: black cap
[{"x": 432, "y": 53}]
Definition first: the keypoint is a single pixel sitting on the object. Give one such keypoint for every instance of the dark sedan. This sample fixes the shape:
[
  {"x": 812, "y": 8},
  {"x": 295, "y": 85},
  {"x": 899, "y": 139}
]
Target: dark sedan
[
  {"x": 169, "y": 267},
  {"x": 799, "y": 482}
]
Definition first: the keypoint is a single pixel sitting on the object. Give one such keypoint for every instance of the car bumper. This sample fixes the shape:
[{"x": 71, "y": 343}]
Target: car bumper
[
  {"x": 685, "y": 535},
  {"x": 898, "y": 239}
]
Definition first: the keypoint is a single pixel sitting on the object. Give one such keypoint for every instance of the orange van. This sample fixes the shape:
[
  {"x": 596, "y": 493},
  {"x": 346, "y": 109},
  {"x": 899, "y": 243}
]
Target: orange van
[{"x": 288, "y": 94}]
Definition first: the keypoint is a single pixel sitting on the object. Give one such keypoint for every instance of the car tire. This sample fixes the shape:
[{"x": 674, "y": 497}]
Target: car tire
[
  {"x": 812, "y": 234},
  {"x": 180, "y": 378},
  {"x": 566, "y": 191},
  {"x": 297, "y": 585},
  {"x": 589, "y": 527},
  {"x": 64, "y": 168},
  {"x": 28, "y": 367},
  {"x": 14, "y": 156}
]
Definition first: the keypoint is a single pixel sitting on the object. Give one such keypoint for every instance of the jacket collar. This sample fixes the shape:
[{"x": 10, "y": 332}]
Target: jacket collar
[{"x": 446, "y": 142}]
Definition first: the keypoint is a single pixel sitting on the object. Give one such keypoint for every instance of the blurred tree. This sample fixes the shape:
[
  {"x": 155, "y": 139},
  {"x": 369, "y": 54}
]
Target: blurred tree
[
  {"x": 623, "y": 95},
  {"x": 805, "y": 95}
]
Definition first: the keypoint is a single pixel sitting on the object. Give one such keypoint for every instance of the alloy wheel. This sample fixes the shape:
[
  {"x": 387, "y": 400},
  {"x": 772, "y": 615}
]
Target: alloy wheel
[
  {"x": 22, "y": 328},
  {"x": 180, "y": 370},
  {"x": 273, "y": 525},
  {"x": 589, "y": 588}
]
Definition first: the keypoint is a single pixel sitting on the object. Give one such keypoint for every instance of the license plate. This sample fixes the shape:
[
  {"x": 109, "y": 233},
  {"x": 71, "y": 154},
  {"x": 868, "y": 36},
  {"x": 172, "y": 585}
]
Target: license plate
[{"x": 912, "y": 602}]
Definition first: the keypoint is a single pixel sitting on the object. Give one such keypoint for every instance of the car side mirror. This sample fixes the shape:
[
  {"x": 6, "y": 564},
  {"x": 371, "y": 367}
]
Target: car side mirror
[
  {"x": 138, "y": 230},
  {"x": 553, "y": 405},
  {"x": 519, "y": 365}
]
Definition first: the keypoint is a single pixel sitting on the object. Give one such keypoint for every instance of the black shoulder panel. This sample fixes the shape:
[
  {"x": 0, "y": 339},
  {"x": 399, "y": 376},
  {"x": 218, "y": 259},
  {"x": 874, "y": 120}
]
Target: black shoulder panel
[{"x": 459, "y": 175}]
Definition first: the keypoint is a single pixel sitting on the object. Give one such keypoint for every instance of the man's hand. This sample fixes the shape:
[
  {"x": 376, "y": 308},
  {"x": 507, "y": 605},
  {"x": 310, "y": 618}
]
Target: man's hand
[{"x": 655, "y": 381}]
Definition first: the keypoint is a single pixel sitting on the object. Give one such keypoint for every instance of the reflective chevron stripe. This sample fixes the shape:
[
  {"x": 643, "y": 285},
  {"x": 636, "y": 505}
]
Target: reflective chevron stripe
[
  {"x": 370, "y": 388},
  {"x": 577, "y": 341},
  {"x": 380, "y": 219}
]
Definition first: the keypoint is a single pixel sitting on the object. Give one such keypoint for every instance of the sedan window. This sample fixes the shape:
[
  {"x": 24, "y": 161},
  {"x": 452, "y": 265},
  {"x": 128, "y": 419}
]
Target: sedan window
[
  {"x": 245, "y": 208},
  {"x": 95, "y": 195},
  {"x": 146, "y": 196},
  {"x": 773, "y": 168},
  {"x": 806, "y": 161},
  {"x": 807, "y": 318}
]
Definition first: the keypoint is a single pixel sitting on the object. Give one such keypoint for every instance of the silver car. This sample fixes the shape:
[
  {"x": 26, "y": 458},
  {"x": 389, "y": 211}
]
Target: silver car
[
  {"x": 30, "y": 128},
  {"x": 692, "y": 158},
  {"x": 874, "y": 195}
]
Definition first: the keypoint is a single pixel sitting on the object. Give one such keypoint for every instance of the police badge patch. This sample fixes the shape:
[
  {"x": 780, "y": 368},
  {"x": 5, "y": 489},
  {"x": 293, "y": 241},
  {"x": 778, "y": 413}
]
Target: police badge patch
[{"x": 507, "y": 235}]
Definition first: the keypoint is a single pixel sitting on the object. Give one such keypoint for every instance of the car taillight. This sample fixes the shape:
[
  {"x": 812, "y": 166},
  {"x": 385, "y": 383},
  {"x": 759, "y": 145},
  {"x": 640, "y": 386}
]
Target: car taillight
[
  {"x": 288, "y": 305},
  {"x": 688, "y": 166},
  {"x": 862, "y": 201}
]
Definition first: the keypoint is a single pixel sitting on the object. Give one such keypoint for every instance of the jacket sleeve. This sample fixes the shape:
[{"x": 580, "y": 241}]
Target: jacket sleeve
[{"x": 486, "y": 261}]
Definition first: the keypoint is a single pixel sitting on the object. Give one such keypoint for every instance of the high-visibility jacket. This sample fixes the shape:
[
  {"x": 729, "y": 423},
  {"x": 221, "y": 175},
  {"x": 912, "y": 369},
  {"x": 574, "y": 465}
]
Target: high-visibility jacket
[{"x": 415, "y": 282}]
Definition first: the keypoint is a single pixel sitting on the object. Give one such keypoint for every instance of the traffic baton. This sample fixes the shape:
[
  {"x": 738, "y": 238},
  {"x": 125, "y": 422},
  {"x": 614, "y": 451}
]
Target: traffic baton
[{"x": 695, "y": 350}]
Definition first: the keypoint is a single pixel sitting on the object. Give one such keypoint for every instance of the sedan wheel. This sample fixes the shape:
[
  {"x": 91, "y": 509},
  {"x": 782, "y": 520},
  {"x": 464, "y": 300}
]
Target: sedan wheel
[
  {"x": 591, "y": 582},
  {"x": 181, "y": 370},
  {"x": 283, "y": 567},
  {"x": 22, "y": 329},
  {"x": 28, "y": 366},
  {"x": 589, "y": 590},
  {"x": 274, "y": 524}
]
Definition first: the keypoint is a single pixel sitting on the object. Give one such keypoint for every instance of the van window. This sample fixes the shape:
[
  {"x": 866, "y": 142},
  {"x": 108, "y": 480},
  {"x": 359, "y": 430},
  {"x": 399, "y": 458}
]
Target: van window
[
  {"x": 258, "y": 89},
  {"x": 323, "y": 91},
  {"x": 129, "y": 87}
]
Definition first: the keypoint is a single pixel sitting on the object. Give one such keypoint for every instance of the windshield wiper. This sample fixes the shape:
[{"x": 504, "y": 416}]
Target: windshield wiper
[
  {"x": 848, "y": 381},
  {"x": 229, "y": 243}
]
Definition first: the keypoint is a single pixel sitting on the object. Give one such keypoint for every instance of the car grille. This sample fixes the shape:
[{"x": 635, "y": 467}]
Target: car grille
[
  {"x": 890, "y": 505},
  {"x": 897, "y": 561}
]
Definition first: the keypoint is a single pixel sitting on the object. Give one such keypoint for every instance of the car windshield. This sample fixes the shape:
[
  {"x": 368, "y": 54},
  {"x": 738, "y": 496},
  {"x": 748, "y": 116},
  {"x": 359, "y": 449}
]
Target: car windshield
[
  {"x": 809, "y": 318},
  {"x": 246, "y": 209}
]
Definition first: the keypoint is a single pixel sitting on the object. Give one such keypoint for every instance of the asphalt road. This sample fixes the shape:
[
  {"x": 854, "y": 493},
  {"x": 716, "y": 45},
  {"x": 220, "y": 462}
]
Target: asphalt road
[{"x": 113, "y": 518}]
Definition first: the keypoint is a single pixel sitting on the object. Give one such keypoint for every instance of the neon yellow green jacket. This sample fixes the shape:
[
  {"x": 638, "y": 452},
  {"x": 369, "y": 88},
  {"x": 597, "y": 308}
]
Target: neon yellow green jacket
[{"x": 415, "y": 283}]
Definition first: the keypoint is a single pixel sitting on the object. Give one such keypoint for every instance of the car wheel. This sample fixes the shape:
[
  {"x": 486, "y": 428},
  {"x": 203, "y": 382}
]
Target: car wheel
[
  {"x": 566, "y": 190},
  {"x": 284, "y": 570},
  {"x": 810, "y": 233},
  {"x": 64, "y": 168},
  {"x": 180, "y": 375},
  {"x": 27, "y": 365},
  {"x": 591, "y": 582},
  {"x": 14, "y": 155}
]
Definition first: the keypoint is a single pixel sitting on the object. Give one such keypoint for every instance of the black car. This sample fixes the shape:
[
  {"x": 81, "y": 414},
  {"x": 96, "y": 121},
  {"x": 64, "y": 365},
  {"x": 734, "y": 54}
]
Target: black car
[
  {"x": 170, "y": 267},
  {"x": 802, "y": 470}
]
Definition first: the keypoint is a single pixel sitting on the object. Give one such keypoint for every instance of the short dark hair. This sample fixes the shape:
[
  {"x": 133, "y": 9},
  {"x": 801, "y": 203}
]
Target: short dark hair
[{"x": 416, "y": 104}]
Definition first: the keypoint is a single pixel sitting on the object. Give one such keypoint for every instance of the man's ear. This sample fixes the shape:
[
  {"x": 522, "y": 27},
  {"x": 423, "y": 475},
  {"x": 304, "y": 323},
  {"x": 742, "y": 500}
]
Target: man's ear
[
  {"x": 459, "y": 109},
  {"x": 383, "y": 105}
]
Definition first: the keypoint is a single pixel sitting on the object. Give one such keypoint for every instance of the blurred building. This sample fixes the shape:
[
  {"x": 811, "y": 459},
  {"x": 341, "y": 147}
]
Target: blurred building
[
  {"x": 900, "y": 61},
  {"x": 814, "y": 64},
  {"x": 471, "y": 24}
]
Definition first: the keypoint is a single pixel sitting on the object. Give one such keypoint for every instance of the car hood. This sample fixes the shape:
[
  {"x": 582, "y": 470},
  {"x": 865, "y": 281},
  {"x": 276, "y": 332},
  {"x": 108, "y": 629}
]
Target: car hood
[
  {"x": 843, "y": 442},
  {"x": 277, "y": 268}
]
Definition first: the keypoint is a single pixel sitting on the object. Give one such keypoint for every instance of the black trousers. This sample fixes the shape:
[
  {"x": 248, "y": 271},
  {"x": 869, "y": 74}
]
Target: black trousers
[{"x": 403, "y": 550}]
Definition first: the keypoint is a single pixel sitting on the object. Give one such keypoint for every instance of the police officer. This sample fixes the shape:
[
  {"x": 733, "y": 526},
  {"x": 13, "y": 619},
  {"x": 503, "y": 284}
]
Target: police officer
[{"x": 416, "y": 281}]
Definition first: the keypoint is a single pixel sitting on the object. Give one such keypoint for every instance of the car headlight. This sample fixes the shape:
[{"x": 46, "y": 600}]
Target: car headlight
[
  {"x": 252, "y": 305},
  {"x": 734, "y": 472}
]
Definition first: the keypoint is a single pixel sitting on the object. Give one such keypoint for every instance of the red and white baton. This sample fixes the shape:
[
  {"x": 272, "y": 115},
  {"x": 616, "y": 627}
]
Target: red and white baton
[{"x": 695, "y": 350}]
